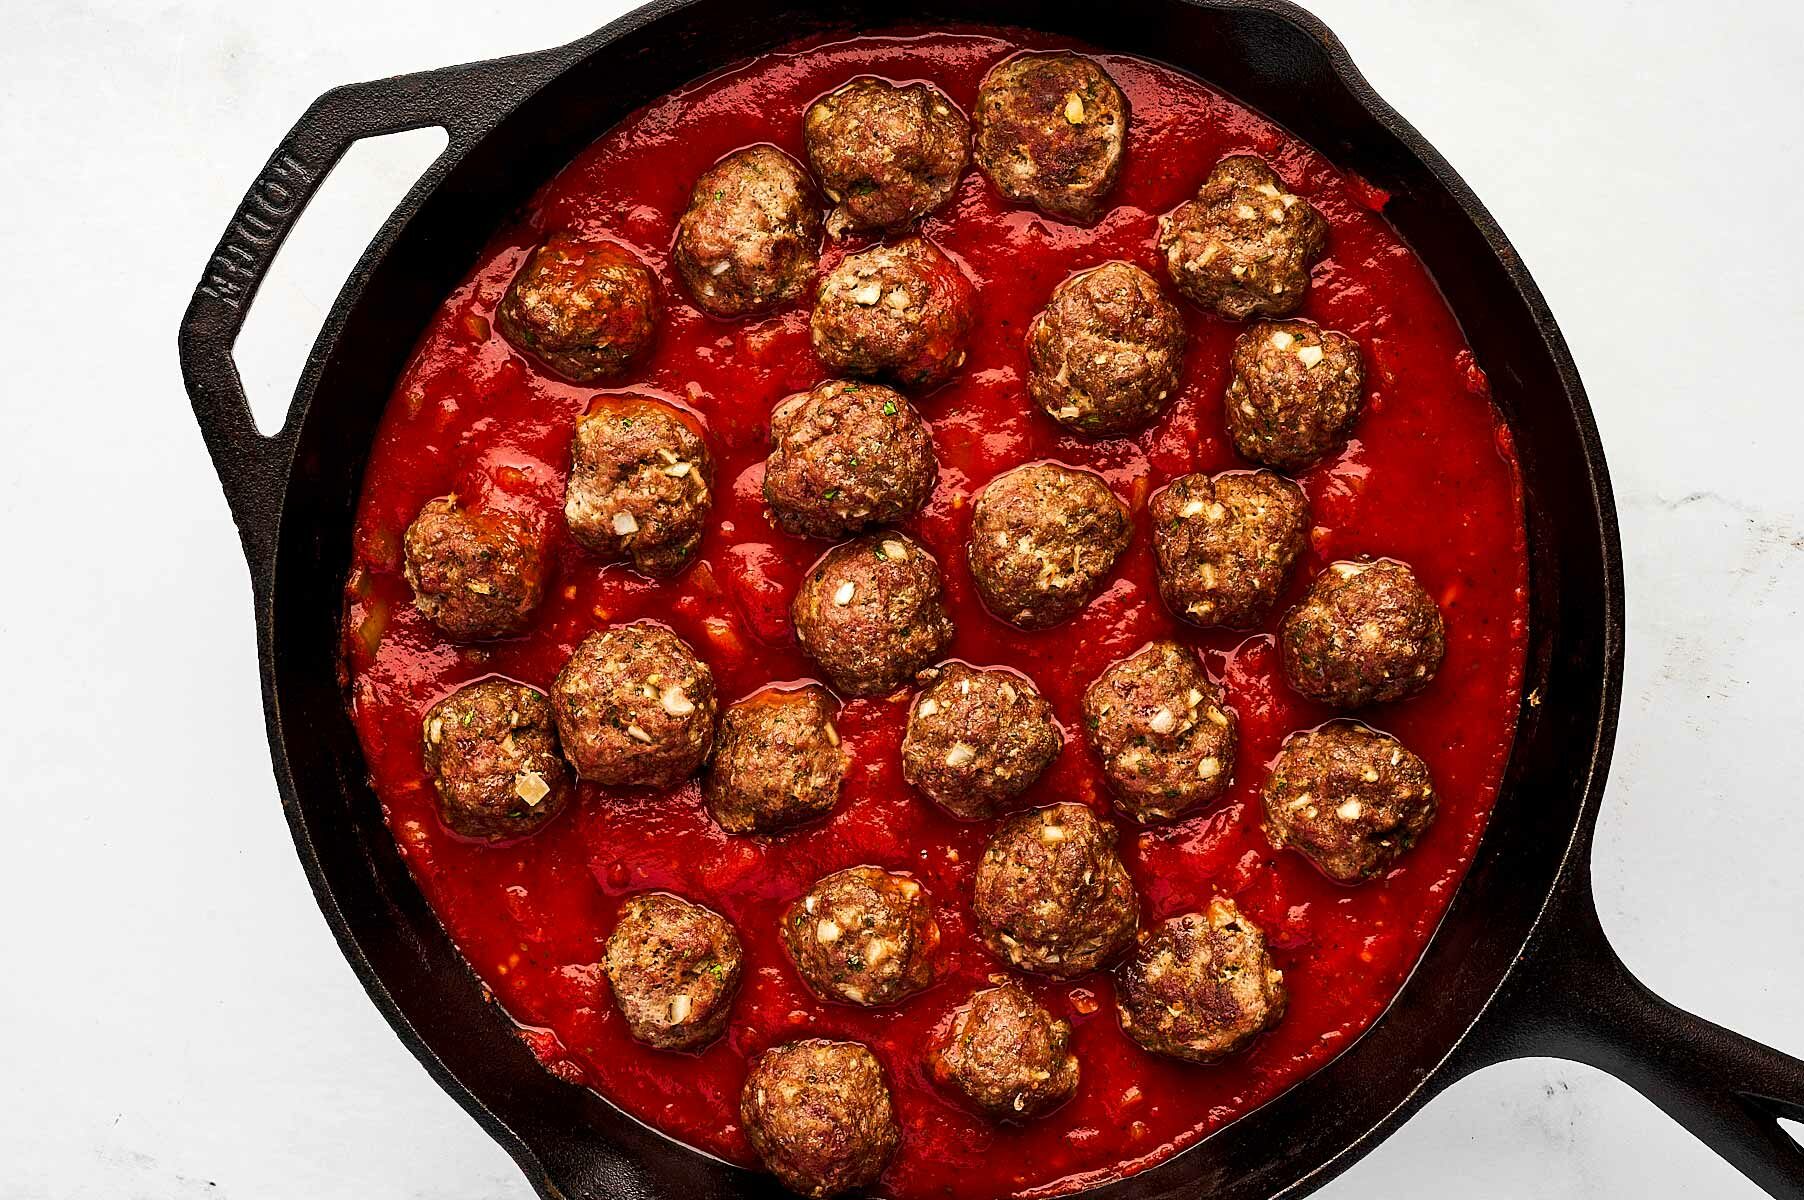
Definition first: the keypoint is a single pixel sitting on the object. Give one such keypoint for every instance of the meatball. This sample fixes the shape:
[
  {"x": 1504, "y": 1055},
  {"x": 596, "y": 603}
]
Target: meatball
[
  {"x": 1225, "y": 545},
  {"x": 1051, "y": 895},
  {"x": 1200, "y": 986},
  {"x": 872, "y": 613},
  {"x": 1294, "y": 393},
  {"x": 818, "y": 1114},
  {"x": 1348, "y": 798},
  {"x": 885, "y": 153},
  {"x": 1366, "y": 632},
  {"x": 977, "y": 738},
  {"x": 673, "y": 967},
  {"x": 492, "y": 752},
  {"x": 588, "y": 310},
  {"x": 901, "y": 312},
  {"x": 1164, "y": 732},
  {"x": 1044, "y": 538},
  {"x": 635, "y": 707},
  {"x": 846, "y": 456},
  {"x": 641, "y": 483},
  {"x": 777, "y": 762},
  {"x": 475, "y": 573},
  {"x": 1050, "y": 131},
  {"x": 1006, "y": 1055},
  {"x": 748, "y": 239},
  {"x": 1244, "y": 246},
  {"x": 862, "y": 936},
  {"x": 1103, "y": 355}
]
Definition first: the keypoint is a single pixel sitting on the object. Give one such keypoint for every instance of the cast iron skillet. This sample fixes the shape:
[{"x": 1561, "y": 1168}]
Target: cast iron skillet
[{"x": 1520, "y": 966}]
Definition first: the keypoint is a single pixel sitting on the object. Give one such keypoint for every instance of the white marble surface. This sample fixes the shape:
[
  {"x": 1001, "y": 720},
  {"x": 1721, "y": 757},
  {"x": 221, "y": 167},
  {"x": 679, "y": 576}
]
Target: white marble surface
[{"x": 177, "y": 1022}]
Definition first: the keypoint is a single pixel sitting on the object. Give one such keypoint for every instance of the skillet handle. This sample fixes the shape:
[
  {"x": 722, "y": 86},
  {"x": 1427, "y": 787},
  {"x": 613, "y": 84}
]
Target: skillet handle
[{"x": 1571, "y": 997}]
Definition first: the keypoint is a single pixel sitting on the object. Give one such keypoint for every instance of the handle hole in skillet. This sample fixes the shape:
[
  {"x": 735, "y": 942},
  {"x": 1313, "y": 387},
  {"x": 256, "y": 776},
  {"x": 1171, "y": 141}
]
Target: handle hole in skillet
[
  {"x": 1794, "y": 1128},
  {"x": 318, "y": 256}
]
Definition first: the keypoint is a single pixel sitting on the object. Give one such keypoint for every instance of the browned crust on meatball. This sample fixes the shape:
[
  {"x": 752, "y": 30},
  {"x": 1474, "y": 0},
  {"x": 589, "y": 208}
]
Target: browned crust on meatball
[
  {"x": 635, "y": 707},
  {"x": 476, "y": 573},
  {"x": 586, "y": 309},
  {"x": 1226, "y": 544},
  {"x": 1200, "y": 986},
  {"x": 1044, "y": 538},
  {"x": 1348, "y": 798},
  {"x": 492, "y": 751},
  {"x": 777, "y": 761},
  {"x": 900, "y": 312},
  {"x": 1164, "y": 732},
  {"x": 641, "y": 484},
  {"x": 977, "y": 738},
  {"x": 748, "y": 240},
  {"x": 1051, "y": 896},
  {"x": 1104, "y": 354},
  {"x": 1244, "y": 246},
  {"x": 818, "y": 1115},
  {"x": 674, "y": 968},
  {"x": 1050, "y": 132},
  {"x": 1006, "y": 1054},
  {"x": 863, "y": 936},
  {"x": 1294, "y": 393},
  {"x": 872, "y": 612},
  {"x": 885, "y": 154},
  {"x": 847, "y": 456},
  {"x": 1366, "y": 632}
]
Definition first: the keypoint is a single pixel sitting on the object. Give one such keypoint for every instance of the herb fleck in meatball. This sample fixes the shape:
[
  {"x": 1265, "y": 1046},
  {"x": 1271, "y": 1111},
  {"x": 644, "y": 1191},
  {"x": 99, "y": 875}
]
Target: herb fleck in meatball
[
  {"x": 777, "y": 762},
  {"x": 1348, "y": 798},
  {"x": 1164, "y": 732},
  {"x": 1200, "y": 986},
  {"x": 862, "y": 936},
  {"x": 846, "y": 456},
  {"x": 635, "y": 707},
  {"x": 872, "y": 613},
  {"x": 588, "y": 310},
  {"x": 1226, "y": 544},
  {"x": 885, "y": 153},
  {"x": 748, "y": 239},
  {"x": 1050, "y": 132},
  {"x": 1051, "y": 895},
  {"x": 1044, "y": 538},
  {"x": 1295, "y": 391},
  {"x": 1244, "y": 246},
  {"x": 818, "y": 1114},
  {"x": 977, "y": 738},
  {"x": 1007, "y": 1055},
  {"x": 673, "y": 967},
  {"x": 475, "y": 573},
  {"x": 1366, "y": 632},
  {"x": 1104, "y": 353},
  {"x": 901, "y": 312},
  {"x": 641, "y": 483},
  {"x": 492, "y": 752}
]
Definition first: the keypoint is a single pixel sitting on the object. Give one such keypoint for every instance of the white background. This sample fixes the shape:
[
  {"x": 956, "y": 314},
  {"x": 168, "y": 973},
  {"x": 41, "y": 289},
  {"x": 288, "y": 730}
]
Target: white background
[{"x": 174, "y": 1018}]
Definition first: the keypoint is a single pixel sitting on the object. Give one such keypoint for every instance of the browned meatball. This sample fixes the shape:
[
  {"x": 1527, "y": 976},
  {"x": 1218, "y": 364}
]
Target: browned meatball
[
  {"x": 1050, "y": 132},
  {"x": 1366, "y": 632},
  {"x": 673, "y": 967},
  {"x": 1347, "y": 798},
  {"x": 475, "y": 573},
  {"x": 818, "y": 1114},
  {"x": 635, "y": 707},
  {"x": 748, "y": 239},
  {"x": 641, "y": 483},
  {"x": 1226, "y": 544},
  {"x": 1006, "y": 1054},
  {"x": 862, "y": 936},
  {"x": 900, "y": 312},
  {"x": 1103, "y": 355},
  {"x": 1244, "y": 246},
  {"x": 1044, "y": 538},
  {"x": 586, "y": 309},
  {"x": 1295, "y": 391},
  {"x": 1201, "y": 986},
  {"x": 1051, "y": 895},
  {"x": 872, "y": 613},
  {"x": 846, "y": 456},
  {"x": 977, "y": 738},
  {"x": 492, "y": 752},
  {"x": 777, "y": 762},
  {"x": 1164, "y": 732},
  {"x": 885, "y": 153}
]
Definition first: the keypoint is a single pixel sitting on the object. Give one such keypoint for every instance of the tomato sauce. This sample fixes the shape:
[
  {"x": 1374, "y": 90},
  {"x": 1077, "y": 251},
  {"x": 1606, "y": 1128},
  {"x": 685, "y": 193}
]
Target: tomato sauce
[{"x": 1429, "y": 478}]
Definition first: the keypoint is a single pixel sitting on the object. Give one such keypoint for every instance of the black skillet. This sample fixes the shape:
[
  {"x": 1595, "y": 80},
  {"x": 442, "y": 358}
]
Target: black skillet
[{"x": 1520, "y": 967}]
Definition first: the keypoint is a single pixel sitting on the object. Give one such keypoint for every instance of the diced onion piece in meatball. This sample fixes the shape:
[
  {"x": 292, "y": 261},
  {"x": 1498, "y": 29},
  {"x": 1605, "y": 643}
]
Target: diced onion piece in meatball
[
  {"x": 777, "y": 762},
  {"x": 1104, "y": 354},
  {"x": 635, "y": 707},
  {"x": 491, "y": 749},
  {"x": 748, "y": 240},
  {"x": 1164, "y": 731},
  {"x": 872, "y": 612},
  {"x": 1050, "y": 131},
  {"x": 673, "y": 967},
  {"x": 846, "y": 456},
  {"x": 1348, "y": 798},
  {"x": 977, "y": 738},
  {"x": 1051, "y": 895},
  {"x": 900, "y": 312},
  {"x": 886, "y": 154},
  {"x": 476, "y": 573},
  {"x": 1226, "y": 544},
  {"x": 1366, "y": 632},
  {"x": 641, "y": 484},
  {"x": 818, "y": 1115},
  {"x": 1044, "y": 538},
  {"x": 1200, "y": 986},
  {"x": 586, "y": 309}
]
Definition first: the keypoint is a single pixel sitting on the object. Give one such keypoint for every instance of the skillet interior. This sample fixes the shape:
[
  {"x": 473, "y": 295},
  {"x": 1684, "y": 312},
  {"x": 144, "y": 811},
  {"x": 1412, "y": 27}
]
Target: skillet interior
[{"x": 573, "y": 1143}]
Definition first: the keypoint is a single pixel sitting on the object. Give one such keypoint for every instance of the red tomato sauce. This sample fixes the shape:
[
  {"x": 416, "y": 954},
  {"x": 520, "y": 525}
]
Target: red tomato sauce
[{"x": 1429, "y": 478}]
